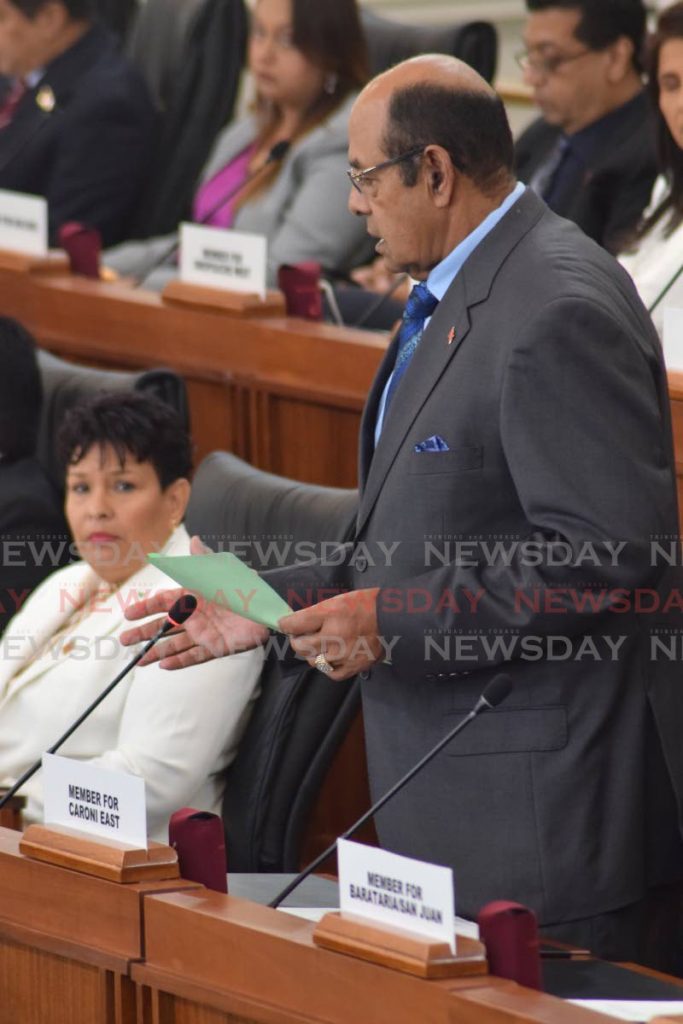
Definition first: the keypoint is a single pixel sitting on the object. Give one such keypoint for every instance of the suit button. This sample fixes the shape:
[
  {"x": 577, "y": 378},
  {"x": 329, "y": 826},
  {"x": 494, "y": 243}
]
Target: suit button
[
  {"x": 361, "y": 563},
  {"x": 364, "y": 676}
]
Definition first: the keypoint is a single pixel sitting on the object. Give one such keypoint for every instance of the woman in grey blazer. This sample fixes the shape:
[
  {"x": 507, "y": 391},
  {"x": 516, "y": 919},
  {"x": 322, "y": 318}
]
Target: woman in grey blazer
[{"x": 307, "y": 58}]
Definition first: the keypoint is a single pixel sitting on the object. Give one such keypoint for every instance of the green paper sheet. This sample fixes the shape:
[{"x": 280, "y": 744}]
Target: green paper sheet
[{"x": 221, "y": 577}]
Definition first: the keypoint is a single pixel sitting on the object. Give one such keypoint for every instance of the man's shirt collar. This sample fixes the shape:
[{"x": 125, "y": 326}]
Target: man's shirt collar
[{"x": 444, "y": 273}]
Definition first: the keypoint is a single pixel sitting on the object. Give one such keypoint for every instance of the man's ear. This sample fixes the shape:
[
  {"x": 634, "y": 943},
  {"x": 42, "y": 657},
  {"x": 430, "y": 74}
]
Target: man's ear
[
  {"x": 439, "y": 174},
  {"x": 620, "y": 59},
  {"x": 52, "y": 18}
]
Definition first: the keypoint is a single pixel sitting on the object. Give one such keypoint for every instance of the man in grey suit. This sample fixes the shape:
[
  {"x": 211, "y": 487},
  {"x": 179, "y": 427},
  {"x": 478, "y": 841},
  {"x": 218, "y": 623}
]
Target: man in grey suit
[{"x": 516, "y": 478}]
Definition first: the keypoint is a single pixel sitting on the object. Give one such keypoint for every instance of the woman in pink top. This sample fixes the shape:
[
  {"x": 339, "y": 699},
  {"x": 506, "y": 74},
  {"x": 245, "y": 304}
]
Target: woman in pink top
[{"x": 307, "y": 59}]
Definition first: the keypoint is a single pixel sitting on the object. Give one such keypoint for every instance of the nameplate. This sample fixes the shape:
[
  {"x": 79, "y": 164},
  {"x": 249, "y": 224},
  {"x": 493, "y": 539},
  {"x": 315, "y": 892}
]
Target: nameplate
[
  {"x": 392, "y": 890},
  {"x": 234, "y": 261},
  {"x": 94, "y": 800},
  {"x": 672, "y": 338},
  {"x": 23, "y": 223}
]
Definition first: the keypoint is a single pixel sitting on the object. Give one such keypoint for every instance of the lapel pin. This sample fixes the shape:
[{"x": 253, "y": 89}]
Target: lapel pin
[
  {"x": 45, "y": 99},
  {"x": 451, "y": 336}
]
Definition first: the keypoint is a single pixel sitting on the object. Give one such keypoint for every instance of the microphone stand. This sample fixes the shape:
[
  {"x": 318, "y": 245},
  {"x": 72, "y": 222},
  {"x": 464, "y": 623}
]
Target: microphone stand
[
  {"x": 667, "y": 288},
  {"x": 374, "y": 306},
  {"x": 499, "y": 689},
  {"x": 277, "y": 152},
  {"x": 30, "y": 772}
]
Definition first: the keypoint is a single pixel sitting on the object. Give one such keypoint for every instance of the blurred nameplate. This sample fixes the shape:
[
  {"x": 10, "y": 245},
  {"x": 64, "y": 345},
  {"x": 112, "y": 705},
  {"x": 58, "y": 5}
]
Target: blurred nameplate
[
  {"x": 633, "y": 1010},
  {"x": 388, "y": 889},
  {"x": 23, "y": 223},
  {"x": 94, "y": 800},
  {"x": 233, "y": 261},
  {"x": 672, "y": 338}
]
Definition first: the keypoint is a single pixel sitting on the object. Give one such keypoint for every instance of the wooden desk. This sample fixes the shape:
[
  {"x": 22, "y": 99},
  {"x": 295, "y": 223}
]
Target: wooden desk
[
  {"x": 75, "y": 949},
  {"x": 67, "y": 942},
  {"x": 213, "y": 959},
  {"x": 284, "y": 394}
]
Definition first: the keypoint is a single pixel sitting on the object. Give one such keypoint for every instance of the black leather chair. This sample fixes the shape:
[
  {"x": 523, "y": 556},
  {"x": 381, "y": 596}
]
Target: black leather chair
[
  {"x": 475, "y": 42},
  {"x": 64, "y": 384},
  {"x": 191, "y": 53},
  {"x": 301, "y": 717}
]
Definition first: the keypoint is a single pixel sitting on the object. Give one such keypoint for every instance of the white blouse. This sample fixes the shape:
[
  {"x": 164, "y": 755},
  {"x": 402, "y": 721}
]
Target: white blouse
[
  {"x": 178, "y": 730},
  {"x": 655, "y": 262}
]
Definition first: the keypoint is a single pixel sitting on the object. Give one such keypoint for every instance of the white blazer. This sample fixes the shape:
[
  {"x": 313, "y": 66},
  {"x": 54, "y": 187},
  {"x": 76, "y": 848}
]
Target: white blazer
[{"x": 178, "y": 730}]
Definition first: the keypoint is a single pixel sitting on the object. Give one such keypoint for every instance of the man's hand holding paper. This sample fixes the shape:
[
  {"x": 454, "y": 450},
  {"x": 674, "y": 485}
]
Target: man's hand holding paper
[{"x": 341, "y": 630}]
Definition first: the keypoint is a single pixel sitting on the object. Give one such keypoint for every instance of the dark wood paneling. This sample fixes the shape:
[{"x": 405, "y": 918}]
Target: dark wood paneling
[{"x": 283, "y": 393}]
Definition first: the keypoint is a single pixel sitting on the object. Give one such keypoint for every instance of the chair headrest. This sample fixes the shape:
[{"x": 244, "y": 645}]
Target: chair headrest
[
  {"x": 389, "y": 42},
  {"x": 65, "y": 384},
  {"x": 263, "y": 517}
]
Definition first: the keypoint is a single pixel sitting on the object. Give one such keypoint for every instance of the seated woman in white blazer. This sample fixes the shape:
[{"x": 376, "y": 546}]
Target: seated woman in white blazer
[
  {"x": 127, "y": 461},
  {"x": 307, "y": 59},
  {"x": 655, "y": 262}
]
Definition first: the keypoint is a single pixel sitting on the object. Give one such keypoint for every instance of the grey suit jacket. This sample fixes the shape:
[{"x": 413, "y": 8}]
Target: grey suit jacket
[
  {"x": 543, "y": 374},
  {"x": 303, "y": 215}
]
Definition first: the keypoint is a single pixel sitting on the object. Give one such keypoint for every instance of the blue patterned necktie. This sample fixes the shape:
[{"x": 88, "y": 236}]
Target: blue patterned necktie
[{"x": 421, "y": 304}]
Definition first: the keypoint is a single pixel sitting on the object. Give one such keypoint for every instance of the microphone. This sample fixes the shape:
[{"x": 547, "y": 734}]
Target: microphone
[
  {"x": 494, "y": 694},
  {"x": 275, "y": 154},
  {"x": 179, "y": 613},
  {"x": 383, "y": 297}
]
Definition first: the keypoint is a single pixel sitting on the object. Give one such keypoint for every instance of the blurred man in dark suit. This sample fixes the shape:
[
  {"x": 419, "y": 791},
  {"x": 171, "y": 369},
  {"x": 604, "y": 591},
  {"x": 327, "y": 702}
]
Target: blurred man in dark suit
[
  {"x": 592, "y": 155},
  {"x": 76, "y": 122}
]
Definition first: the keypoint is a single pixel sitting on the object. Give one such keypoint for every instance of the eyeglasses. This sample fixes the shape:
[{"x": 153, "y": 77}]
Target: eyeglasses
[
  {"x": 546, "y": 65},
  {"x": 362, "y": 180}
]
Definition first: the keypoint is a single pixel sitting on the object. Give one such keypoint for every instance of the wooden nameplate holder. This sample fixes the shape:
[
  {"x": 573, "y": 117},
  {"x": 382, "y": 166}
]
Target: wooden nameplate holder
[
  {"x": 398, "y": 949},
  {"x": 180, "y": 293},
  {"x": 103, "y": 858},
  {"x": 56, "y": 262}
]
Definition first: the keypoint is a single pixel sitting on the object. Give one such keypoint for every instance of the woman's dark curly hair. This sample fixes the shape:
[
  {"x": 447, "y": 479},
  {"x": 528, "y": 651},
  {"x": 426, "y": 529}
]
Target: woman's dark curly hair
[{"x": 132, "y": 423}]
